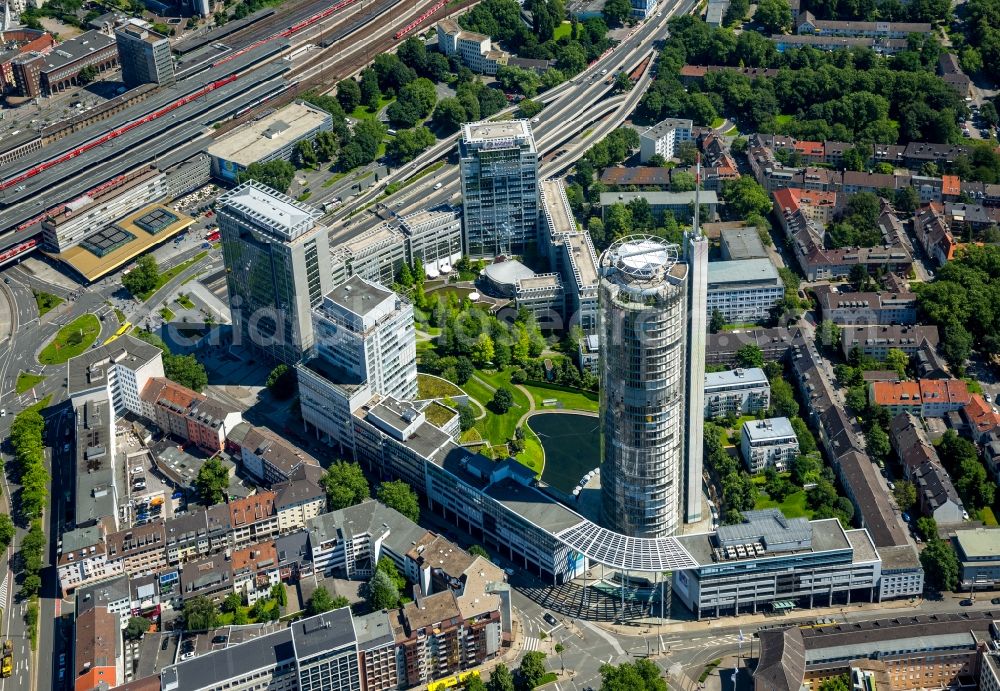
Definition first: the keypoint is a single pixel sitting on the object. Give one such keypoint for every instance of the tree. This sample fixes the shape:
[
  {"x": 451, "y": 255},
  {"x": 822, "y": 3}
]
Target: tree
[
  {"x": 973, "y": 484},
  {"x": 388, "y": 567},
  {"x": 905, "y": 494},
  {"x": 348, "y": 94},
  {"x": 474, "y": 683},
  {"x": 736, "y": 12},
  {"x": 200, "y": 614},
  {"x": 144, "y": 276},
  {"x": 381, "y": 592},
  {"x": 783, "y": 403},
  {"x": 500, "y": 679},
  {"x": 88, "y": 74},
  {"x": 483, "y": 350},
  {"x": 212, "y": 482},
  {"x": 466, "y": 417},
  {"x": 615, "y": 12},
  {"x": 806, "y": 468},
  {"x": 135, "y": 628},
  {"x": 277, "y": 174},
  {"x": 956, "y": 345},
  {"x": 281, "y": 382},
  {"x": 408, "y": 144},
  {"x": 718, "y": 321},
  {"x": 305, "y": 154},
  {"x": 838, "y": 683},
  {"x": 750, "y": 355},
  {"x": 503, "y": 399},
  {"x": 877, "y": 443},
  {"x": 450, "y": 114},
  {"x": 746, "y": 196},
  {"x": 927, "y": 528},
  {"x": 641, "y": 675},
  {"x": 774, "y": 15},
  {"x": 897, "y": 360},
  {"x": 186, "y": 371},
  {"x": 400, "y": 496},
  {"x": 530, "y": 108},
  {"x": 345, "y": 485},
  {"x": 6, "y": 531},
  {"x": 479, "y": 551},
  {"x": 232, "y": 602},
  {"x": 940, "y": 565},
  {"x": 321, "y": 601},
  {"x": 531, "y": 670},
  {"x": 371, "y": 95}
]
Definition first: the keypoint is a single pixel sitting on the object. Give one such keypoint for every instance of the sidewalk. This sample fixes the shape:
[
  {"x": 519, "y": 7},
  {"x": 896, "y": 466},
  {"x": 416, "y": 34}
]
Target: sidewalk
[{"x": 753, "y": 621}]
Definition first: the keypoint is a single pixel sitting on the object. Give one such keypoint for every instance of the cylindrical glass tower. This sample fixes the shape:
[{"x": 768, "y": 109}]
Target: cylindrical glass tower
[{"x": 643, "y": 311}]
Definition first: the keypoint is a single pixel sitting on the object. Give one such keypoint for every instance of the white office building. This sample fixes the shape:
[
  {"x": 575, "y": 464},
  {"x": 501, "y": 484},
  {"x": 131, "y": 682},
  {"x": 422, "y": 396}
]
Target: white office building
[
  {"x": 770, "y": 442},
  {"x": 434, "y": 236},
  {"x": 476, "y": 51},
  {"x": 365, "y": 345},
  {"x": 736, "y": 392},
  {"x": 499, "y": 170},
  {"x": 117, "y": 372},
  {"x": 697, "y": 259},
  {"x": 743, "y": 290},
  {"x": 663, "y": 138}
]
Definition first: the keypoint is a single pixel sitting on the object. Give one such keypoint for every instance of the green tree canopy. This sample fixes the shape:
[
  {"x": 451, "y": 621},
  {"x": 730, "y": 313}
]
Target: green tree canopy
[
  {"x": 212, "y": 481},
  {"x": 940, "y": 564},
  {"x": 320, "y": 601},
  {"x": 345, "y": 485},
  {"x": 186, "y": 371},
  {"x": 398, "y": 495},
  {"x": 277, "y": 174},
  {"x": 200, "y": 614},
  {"x": 381, "y": 592},
  {"x": 143, "y": 277}
]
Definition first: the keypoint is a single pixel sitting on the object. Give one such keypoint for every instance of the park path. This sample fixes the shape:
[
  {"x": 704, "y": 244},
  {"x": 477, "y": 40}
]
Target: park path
[{"x": 531, "y": 404}]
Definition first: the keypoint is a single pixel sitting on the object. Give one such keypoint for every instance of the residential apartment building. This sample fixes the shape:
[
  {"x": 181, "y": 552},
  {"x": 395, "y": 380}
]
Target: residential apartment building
[
  {"x": 882, "y": 46},
  {"x": 775, "y": 343},
  {"x": 934, "y": 234},
  {"x": 210, "y": 577},
  {"x": 680, "y": 204},
  {"x": 140, "y": 549},
  {"x": 253, "y": 519},
  {"x": 277, "y": 268},
  {"x": 255, "y": 571},
  {"x": 188, "y": 415},
  {"x": 475, "y": 50},
  {"x": 923, "y": 398},
  {"x": 198, "y": 533},
  {"x": 117, "y": 372},
  {"x": 98, "y": 659},
  {"x": 809, "y": 24},
  {"x": 84, "y": 559},
  {"x": 866, "y": 308},
  {"x": 769, "y": 443},
  {"x": 498, "y": 164},
  {"x": 876, "y": 341},
  {"x": 736, "y": 392},
  {"x": 744, "y": 290},
  {"x": 664, "y": 138},
  {"x": 982, "y": 418},
  {"x": 297, "y": 500},
  {"x": 268, "y": 457},
  {"x": 746, "y": 568},
  {"x": 936, "y": 495}
]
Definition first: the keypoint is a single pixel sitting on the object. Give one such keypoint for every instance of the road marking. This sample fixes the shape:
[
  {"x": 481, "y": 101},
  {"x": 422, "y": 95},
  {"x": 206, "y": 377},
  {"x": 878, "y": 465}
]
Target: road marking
[
  {"x": 605, "y": 635},
  {"x": 530, "y": 643}
]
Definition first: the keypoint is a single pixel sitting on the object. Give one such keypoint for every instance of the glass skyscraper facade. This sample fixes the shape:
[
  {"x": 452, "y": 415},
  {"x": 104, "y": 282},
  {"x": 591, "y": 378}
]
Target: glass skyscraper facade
[{"x": 642, "y": 311}]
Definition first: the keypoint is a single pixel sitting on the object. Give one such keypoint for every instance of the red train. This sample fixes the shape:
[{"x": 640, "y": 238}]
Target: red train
[
  {"x": 9, "y": 254},
  {"x": 419, "y": 20},
  {"x": 115, "y": 133}
]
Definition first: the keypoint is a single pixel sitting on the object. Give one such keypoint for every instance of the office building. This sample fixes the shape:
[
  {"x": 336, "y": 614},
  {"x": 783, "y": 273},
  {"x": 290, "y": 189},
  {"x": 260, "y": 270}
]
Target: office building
[
  {"x": 277, "y": 269},
  {"x": 876, "y": 341},
  {"x": 746, "y": 568},
  {"x": 978, "y": 551},
  {"x": 144, "y": 56},
  {"x": 744, "y": 290},
  {"x": 434, "y": 236},
  {"x": 316, "y": 653},
  {"x": 475, "y": 51},
  {"x": 499, "y": 171},
  {"x": 741, "y": 243},
  {"x": 270, "y": 138},
  {"x": 52, "y": 72},
  {"x": 376, "y": 255},
  {"x": 736, "y": 392},
  {"x": 664, "y": 139},
  {"x": 866, "y": 308},
  {"x": 680, "y": 204},
  {"x": 643, "y": 318},
  {"x": 769, "y": 443},
  {"x": 117, "y": 372}
]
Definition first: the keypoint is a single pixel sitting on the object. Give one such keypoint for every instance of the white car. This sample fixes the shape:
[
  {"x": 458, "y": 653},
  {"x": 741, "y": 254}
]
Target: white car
[
  {"x": 437, "y": 186},
  {"x": 3, "y": 412}
]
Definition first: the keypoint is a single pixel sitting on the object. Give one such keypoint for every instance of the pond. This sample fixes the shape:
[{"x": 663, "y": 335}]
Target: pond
[{"x": 572, "y": 446}]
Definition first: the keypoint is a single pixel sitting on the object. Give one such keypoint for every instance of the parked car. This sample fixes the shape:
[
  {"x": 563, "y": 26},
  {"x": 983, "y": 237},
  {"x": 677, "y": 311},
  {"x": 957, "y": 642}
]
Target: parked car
[{"x": 967, "y": 602}]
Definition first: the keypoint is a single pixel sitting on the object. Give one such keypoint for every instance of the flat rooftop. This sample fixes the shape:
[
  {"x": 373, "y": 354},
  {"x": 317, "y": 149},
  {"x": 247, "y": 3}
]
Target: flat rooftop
[
  {"x": 727, "y": 274},
  {"x": 583, "y": 259},
  {"x": 513, "y": 131},
  {"x": 278, "y": 213},
  {"x": 260, "y": 139},
  {"x": 109, "y": 248},
  {"x": 533, "y": 506},
  {"x": 89, "y": 369},
  {"x": 826, "y": 535},
  {"x": 979, "y": 543},
  {"x": 733, "y": 377},
  {"x": 358, "y": 296},
  {"x": 556, "y": 206},
  {"x": 771, "y": 428},
  {"x": 660, "y": 198}
]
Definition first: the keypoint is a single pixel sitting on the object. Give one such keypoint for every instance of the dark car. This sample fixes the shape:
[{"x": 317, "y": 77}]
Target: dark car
[
  {"x": 220, "y": 639},
  {"x": 966, "y": 603},
  {"x": 551, "y": 619},
  {"x": 995, "y": 601}
]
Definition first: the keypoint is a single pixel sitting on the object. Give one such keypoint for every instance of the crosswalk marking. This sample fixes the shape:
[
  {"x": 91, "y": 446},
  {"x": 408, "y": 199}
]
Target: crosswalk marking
[
  {"x": 530, "y": 643},
  {"x": 3, "y": 590}
]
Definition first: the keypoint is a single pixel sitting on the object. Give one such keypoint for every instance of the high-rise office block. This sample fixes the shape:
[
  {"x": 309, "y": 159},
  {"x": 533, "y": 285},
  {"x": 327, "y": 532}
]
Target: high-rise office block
[
  {"x": 499, "y": 170},
  {"x": 144, "y": 56},
  {"x": 643, "y": 310},
  {"x": 277, "y": 268}
]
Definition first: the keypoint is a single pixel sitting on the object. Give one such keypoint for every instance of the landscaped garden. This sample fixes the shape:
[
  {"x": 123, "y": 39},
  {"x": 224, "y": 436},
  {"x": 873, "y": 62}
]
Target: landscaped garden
[
  {"x": 27, "y": 380},
  {"x": 46, "y": 301},
  {"x": 72, "y": 339}
]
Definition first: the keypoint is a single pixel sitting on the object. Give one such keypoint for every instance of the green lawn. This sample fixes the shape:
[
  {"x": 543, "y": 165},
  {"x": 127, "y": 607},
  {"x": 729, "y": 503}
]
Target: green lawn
[
  {"x": 46, "y": 301},
  {"x": 782, "y": 120},
  {"x": 362, "y": 113},
  {"x": 987, "y": 517},
  {"x": 72, "y": 339},
  {"x": 794, "y": 505},
  {"x": 167, "y": 314},
  {"x": 435, "y": 387},
  {"x": 470, "y": 435},
  {"x": 172, "y": 273},
  {"x": 717, "y": 122},
  {"x": 333, "y": 178},
  {"x": 437, "y": 414},
  {"x": 497, "y": 428},
  {"x": 26, "y": 380},
  {"x": 533, "y": 455},
  {"x": 120, "y": 316},
  {"x": 185, "y": 302},
  {"x": 570, "y": 399},
  {"x": 564, "y": 29},
  {"x": 41, "y": 405}
]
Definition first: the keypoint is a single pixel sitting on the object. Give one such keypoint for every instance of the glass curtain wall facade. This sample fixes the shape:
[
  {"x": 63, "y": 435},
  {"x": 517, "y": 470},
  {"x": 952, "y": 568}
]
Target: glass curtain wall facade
[{"x": 643, "y": 310}]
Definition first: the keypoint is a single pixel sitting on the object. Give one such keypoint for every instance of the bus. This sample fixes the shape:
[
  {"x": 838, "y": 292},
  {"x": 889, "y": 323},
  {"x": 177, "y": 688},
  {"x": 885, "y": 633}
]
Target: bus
[
  {"x": 7, "y": 665},
  {"x": 121, "y": 331}
]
